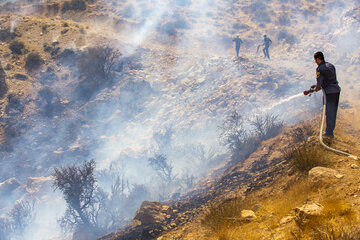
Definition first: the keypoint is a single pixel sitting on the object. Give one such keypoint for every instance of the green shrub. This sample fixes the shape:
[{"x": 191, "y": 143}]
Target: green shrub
[
  {"x": 33, "y": 62},
  {"x": 16, "y": 47}
]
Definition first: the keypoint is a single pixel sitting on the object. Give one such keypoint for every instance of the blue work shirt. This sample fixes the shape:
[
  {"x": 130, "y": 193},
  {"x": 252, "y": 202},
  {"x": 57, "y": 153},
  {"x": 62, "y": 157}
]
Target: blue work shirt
[{"x": 326, "y": 78}]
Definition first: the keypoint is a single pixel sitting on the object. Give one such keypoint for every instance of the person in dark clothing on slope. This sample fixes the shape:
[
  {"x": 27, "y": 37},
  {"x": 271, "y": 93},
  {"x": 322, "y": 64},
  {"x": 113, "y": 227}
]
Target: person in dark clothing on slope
[
  {"x": 238, "y": 42},
  {"x": 267, "y": 43},
  {"x": 326, "y": 80}
]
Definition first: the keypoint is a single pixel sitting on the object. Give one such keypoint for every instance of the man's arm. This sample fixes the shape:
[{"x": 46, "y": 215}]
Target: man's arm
[{"x": 319, "y": 80}]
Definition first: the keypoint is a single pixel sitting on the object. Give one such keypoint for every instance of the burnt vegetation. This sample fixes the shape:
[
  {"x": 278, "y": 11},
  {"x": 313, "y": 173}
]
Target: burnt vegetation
[
  {"x": 95, "y": 66},
  {"x": 16, "y": 221},
  {"x": 75, "y": 5},
  {"x": 16, "y": 47},
  {"x": 242, "y": 136},
  {"x": 92, "y": 212},
  {"x": 33, "y": 62}
]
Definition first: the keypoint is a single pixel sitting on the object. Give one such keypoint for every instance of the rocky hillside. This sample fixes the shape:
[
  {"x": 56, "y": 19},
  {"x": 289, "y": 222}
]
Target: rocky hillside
[
  {"x": 124, "y": 82},
  {"x": 269, "y": 195}
]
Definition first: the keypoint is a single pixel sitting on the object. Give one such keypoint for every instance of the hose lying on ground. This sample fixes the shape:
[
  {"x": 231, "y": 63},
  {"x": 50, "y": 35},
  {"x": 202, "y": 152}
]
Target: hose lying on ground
[{"x": 321, "y": 130}]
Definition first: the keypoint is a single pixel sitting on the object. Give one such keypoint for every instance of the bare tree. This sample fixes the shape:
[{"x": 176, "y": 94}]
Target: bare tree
[
  {"x": 21, "y": 216},
  {"x": 161, "y": 165},
  {"x": 78, "y": 185},
  {"x": 163, "y": 139}
]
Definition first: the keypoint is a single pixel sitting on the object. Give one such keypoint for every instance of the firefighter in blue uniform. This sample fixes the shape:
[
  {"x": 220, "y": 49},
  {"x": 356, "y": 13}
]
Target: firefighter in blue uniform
[
  {"x": 238, "y": 42},
  {"x": 326, "y": 80},
  {"x": 267, "y": 43}
]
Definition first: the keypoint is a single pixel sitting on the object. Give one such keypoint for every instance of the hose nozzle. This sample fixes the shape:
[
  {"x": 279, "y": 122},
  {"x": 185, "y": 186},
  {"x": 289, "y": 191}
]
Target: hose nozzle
[{"x": 310, "y": 91}]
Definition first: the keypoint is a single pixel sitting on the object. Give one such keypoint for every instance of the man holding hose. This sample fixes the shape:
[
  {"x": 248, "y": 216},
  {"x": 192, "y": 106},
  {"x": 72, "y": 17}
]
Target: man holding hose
[{"x": 326, "y": 80}]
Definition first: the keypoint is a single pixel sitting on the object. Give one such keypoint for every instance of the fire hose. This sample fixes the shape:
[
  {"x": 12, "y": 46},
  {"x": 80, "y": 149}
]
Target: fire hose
[{"x": 322, "y": 128}]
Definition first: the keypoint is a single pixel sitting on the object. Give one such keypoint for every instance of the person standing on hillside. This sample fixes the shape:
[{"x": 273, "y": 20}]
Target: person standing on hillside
[
  {"x": 267, "y": 43},
  {"x": 326, "y": 80},
  {"x": 238, "y": 42}
]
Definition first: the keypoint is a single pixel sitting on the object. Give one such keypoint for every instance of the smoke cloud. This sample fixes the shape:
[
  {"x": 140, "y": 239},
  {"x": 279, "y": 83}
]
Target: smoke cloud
[{"x": 178, "y": 81}]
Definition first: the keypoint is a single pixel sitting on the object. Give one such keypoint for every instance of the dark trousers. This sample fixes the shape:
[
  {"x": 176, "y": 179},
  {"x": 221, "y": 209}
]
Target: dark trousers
[
  {"x": 332, "y": 102},
  {"x": 237, "y": 48},
  {"x": 266, "y": 52}
]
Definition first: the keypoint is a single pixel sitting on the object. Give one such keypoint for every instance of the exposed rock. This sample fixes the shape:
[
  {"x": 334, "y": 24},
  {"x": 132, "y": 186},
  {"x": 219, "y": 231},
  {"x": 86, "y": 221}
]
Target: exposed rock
[
  {"x": 286, "y": 220},
  {"x": 248, "y": 215},
  {"x": 307, "y": 211},
  {"x": 354, "y": 166},
  {"x": 151, "y": 212},
  {"x": 322, "y": 175}
]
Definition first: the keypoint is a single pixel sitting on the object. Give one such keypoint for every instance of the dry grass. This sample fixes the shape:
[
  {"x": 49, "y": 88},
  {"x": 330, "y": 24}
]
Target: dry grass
[
  {"x": 305, "y": 157},
  {"x": 302, "y": 133},
  {"x": 224, "y": 221},
  {"x": 338, "y": 221}
]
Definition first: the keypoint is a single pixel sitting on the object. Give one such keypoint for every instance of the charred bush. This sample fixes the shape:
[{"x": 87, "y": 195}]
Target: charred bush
[
  {"x": 301, "y": 133},
  {"x": 260, "y": 12},
  {"x": 75, "y": 5},
  {"x": 287, "y": 37},
  {"x": 6, "y": 35},
  {"x": 53, "y": 50},
  {"x": 97, "y": 62},
  {"x": 242, "y": 141},
  {"x": 91, "y": 212},
  {"x": 33, "y": 62},
  {"x": 267, "y": 127},
  {"x": 16, "y": 47},
  {"x": 95, "y": 66},
  {"x": 3, "y": 84},
  {"x": 284, "y": 20},
  {"x": 14, "y": 106}
]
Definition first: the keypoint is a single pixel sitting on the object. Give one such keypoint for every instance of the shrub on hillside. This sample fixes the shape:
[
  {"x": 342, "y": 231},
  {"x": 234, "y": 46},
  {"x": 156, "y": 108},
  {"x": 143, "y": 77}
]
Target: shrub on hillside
[
  {"x": 306, "y": 157},
  {"x": 16, "y": 47},
  {"x": 240, "y": 140},
  {"x": 301, "y": 133},
  {"x": 33, "y": 62},
  {"x": 6, "y": 35},
  {"x": 94, "y": 66},
  {"x": 287, "y": 37},
  {"x": 76, "y": 5},
  {"x": 260, "y": 12},
  {"x": 3, "y": 85}
]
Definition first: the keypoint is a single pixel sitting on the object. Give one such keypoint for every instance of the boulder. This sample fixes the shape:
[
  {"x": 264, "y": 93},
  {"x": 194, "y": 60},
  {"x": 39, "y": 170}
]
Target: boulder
[
  {"x": 248, "y": 215},
  {"x": 286, "y": 220},
  {"x": 307, "y": 212},
  {"x": 319, "y": 175},
  {"x": 151, "y": 213}
]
